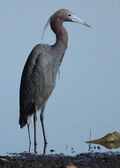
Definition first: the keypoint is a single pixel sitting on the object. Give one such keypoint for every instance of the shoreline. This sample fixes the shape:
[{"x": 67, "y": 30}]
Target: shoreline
[{"x": 84, "y": 160}]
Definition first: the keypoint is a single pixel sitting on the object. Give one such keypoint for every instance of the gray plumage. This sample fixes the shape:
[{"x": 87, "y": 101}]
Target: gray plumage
[
  {"x": 38, "y": 79},
  {"x": 39, "y": 73}
]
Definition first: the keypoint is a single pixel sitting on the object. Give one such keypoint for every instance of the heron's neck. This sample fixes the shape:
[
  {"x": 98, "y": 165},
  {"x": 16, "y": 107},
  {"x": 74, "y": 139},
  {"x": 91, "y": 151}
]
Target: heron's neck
[{"x": 61, "y": 35}]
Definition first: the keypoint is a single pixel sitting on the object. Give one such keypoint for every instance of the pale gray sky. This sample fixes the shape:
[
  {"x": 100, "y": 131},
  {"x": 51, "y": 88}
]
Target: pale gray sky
[{"x": 87, "y": 95}]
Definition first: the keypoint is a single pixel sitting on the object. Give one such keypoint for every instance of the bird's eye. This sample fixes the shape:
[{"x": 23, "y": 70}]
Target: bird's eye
[{"x": 69, "y": 14}]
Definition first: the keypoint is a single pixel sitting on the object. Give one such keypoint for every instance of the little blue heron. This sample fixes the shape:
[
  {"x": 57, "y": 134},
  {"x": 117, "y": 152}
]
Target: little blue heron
[{"x": 39, "y": 73}]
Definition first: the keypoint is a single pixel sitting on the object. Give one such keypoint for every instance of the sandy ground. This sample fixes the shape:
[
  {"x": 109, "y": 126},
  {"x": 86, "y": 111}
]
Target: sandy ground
[{"x": 88, "y": 160}]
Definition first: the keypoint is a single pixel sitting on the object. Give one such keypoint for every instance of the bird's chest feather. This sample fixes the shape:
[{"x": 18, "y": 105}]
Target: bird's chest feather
[
  {"x": 44, "y": 72},
  {"x": 51, "y": 66},
  {"x": 46, "y": 81}
]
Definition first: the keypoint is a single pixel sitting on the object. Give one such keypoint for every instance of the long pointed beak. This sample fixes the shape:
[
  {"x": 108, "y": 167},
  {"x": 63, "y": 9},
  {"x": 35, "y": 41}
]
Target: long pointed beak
[{"x": 76, "y": 19}]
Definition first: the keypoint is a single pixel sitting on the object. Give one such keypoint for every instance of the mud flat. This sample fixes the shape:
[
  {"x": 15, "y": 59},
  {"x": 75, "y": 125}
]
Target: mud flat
[{"x": 85, "y": 160}]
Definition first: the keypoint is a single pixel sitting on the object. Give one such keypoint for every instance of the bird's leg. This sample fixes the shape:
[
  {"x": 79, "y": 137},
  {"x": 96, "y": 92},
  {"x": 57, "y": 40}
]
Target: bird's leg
[
  {"x": 28, "y": 126},
  {"x": 35, "y": 139},
  {"x": 44, "y": 149},
  {"x": 42, "y": 123}
]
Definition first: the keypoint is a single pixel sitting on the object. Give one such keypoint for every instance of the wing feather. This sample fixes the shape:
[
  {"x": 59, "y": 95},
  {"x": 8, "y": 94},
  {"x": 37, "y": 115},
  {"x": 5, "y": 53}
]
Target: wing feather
[{"x": 31, "y": 80}]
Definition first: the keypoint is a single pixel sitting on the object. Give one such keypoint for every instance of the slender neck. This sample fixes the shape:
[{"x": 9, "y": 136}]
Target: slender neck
[{"x": 61, "y": 34}]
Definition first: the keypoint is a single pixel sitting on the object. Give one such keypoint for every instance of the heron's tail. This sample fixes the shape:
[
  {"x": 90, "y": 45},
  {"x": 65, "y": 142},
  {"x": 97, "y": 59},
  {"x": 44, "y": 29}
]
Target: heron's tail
[
  {"x": 22, "y": 120},
  {"x": 25, "y": 113}
]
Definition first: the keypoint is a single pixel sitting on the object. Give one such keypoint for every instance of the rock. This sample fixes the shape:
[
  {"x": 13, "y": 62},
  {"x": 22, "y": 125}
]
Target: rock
[{"x": 111, "y": 140}]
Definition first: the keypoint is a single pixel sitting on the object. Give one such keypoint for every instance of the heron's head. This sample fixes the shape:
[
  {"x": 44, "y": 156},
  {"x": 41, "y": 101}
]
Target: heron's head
[{"x": 65, "y": 15}]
